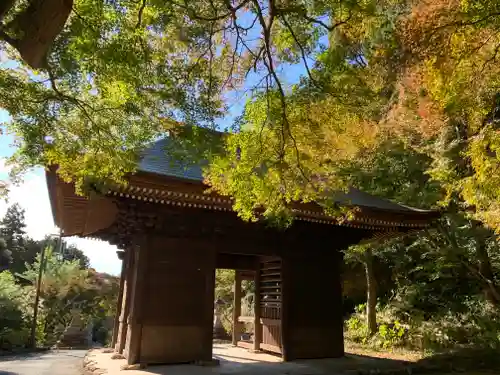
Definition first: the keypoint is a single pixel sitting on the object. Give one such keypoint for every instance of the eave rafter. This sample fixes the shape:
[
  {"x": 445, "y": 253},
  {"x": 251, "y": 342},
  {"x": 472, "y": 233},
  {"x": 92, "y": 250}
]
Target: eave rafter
[{"x": 196, "y": 197}]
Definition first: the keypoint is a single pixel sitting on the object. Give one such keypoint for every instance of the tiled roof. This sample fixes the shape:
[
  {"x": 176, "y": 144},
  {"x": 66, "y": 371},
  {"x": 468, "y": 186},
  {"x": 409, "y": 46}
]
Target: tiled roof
[{"x": 155, "y": 159}]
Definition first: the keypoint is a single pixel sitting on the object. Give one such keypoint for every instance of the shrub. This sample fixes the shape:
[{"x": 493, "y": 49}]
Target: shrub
[
  {"x": 390, "y": 331},
  {"x": 478, "y": 326},
  {"x": 15, "y": 313}
]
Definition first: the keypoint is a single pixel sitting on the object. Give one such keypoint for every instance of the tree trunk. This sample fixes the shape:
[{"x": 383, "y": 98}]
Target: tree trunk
[
  {"x": 371, "y": 293},
  {"x": 485, "y": 273},
  {"x": 39, "y": 25},
  {"x": 490, "y": 288}
]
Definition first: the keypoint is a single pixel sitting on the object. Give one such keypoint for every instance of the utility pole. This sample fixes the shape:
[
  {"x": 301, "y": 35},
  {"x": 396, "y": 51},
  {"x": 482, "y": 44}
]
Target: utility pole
[
  {"x": 37, "y": 299},
  {"x": 37, "y": 295}
]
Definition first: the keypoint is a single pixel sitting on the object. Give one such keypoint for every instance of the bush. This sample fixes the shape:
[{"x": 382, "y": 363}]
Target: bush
[
  {"x": 390, "y": 332},
  {"x": 15, "y": 313},
  {"x": 478, "y": 326}
]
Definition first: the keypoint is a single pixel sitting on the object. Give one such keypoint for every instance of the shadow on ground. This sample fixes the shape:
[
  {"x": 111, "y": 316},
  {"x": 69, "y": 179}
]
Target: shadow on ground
[
  {"x": 238, "y": 361},
  {"x": 16, "y": 356},
  {"x": 462, "y": 360}
]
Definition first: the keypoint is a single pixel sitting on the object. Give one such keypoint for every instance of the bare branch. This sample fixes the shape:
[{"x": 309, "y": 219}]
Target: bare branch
[
  {"x": 266, "y": 30},
  {"x": 328, "y": 27},
  {"x": 233, "y": 63},
  {"x": 81, "y": 18},
  {"x": 194, "y": 15},
  {"x": 81, "y": 105},
  {"x": 251, "y": 25},
  {"x": 302, "y": 50},
  {"x": 210, "y": 62},
  {"x": 492, "y": 59},
  {"x": 285, "y": 125}
]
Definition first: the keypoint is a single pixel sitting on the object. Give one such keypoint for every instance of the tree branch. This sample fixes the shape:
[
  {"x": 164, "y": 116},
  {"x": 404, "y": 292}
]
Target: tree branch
[
  {"x": 328, "y": 27},
  {"x": 285, "y": 125},
  {"x": 139, "y": 16},
  {"x": 302, "y": 50},
  {"x": 196, "y": 16},
  {"x": 8, "y": 38},
  {"x": 210, "y": 62}
]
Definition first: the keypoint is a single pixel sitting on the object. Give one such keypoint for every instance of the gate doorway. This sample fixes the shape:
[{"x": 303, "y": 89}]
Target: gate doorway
[{"x": 257, "y": 316}]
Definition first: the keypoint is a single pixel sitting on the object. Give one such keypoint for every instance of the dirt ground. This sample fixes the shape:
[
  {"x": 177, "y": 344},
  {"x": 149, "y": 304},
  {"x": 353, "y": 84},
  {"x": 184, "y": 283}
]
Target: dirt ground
[{"x": 396, "y": 354}]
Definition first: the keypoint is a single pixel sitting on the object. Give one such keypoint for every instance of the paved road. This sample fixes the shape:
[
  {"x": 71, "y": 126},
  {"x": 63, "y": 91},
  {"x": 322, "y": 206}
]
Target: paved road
[{"x": 62, "y": 362}]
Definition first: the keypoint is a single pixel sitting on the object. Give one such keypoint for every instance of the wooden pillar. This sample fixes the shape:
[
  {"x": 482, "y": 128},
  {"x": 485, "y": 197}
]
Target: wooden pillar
[
  {"x": 208, "y": 321},
  {"x": 116, "y": 323},
  {"x": 257, "y": 337},
  {"x": 132, "y": 349},
  {"x": 312, "y": 306},
  {"x": 285, "y": 307},
  {"x": 236, "y": 307},
  {"x": 126, "y": 300}
]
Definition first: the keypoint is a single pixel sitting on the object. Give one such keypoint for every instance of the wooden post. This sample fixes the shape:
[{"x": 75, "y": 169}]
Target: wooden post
[
  {"x": 135, "y": 315},
  {"x": 236, "y": 307},
  {"x": 126, "y": 299},
  {"x": 285, "y": 310},
  {"x": 116, "y": 325},
  {"x": 257, "y": 337},
  {"x": 209, "y": 311}
]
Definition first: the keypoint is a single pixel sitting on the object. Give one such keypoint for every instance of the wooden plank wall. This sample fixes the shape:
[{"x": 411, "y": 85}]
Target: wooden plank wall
[
  {"x": 178, "y": 300},
  {"x": 312, "y": 306}
]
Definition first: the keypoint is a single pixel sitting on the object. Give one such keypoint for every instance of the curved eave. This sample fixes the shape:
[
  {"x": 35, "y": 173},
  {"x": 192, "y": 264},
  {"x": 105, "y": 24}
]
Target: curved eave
[
  {"x": 83, "y": 216},
  {"x": 154, "y": 188},
  {"x": 76, "y": 215}
]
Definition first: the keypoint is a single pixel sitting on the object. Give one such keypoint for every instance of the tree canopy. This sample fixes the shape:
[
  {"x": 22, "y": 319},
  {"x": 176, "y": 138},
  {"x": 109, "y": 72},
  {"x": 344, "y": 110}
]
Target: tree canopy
[
  {"x": 18, "y": 250},
  {"x": 325, "y": 84},
  {"x": 68, "y": 282}
]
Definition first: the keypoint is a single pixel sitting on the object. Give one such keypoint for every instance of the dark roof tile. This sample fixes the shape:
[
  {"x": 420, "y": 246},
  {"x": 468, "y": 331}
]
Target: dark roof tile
[{"x": 155, "y": 159}]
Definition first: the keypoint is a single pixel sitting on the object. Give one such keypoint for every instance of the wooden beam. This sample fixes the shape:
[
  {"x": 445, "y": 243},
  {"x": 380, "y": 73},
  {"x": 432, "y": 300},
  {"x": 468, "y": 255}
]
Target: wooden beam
[
  {"x": 236, "y": 307},
  {"x": 248, "y": 275},
  {"x": 236, "y": 261}
]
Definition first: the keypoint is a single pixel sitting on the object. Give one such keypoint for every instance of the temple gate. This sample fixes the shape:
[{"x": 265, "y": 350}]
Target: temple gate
[{"x": 173, "y": 236}]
